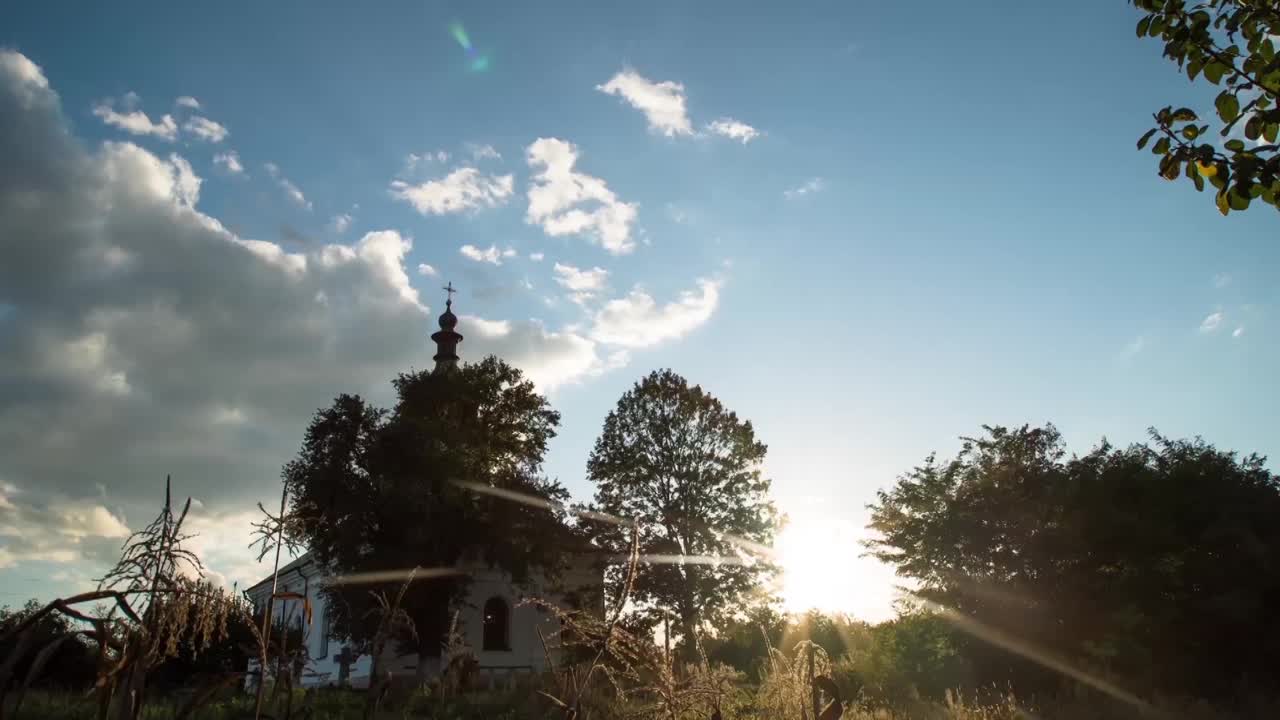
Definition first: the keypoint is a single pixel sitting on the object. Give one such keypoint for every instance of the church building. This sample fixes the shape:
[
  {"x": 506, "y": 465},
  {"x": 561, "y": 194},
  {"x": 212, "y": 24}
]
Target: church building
[{"x": 504, "y": 636}]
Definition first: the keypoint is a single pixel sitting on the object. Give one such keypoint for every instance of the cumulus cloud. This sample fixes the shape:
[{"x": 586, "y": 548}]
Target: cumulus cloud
[
  {"x": 551, "y": 359},
  {"x": 1211, "y": 322},
  {"x": 637, "y": 321},
  {"x": 143, "y": 338},
  {"x": 229, "y": 161},
  {"x": 492, "y": 255},
  {"x": 1221, "y": 280},
  {"x": 583, "y": 283},
  {"x": 135, "y": 121},
  {"x": 810, "y": 186},
  {"x": 566, "y": 202},
  {"x": 1238, "y": 332},
  {"x": 426, "y": 270},
  {"x": 662, "y": 103},
  {"x": 187, "y": 101},
  {"x": 734, "y": 130},
  {"x": 293, "y": 192},
  {"x": 483, "y": 152},
  {"x": 56, "y": 529},
  {"x": 536, "y": 256},
  {"x": 463, "y": 189},
  {"x": 205, "y": 129}
]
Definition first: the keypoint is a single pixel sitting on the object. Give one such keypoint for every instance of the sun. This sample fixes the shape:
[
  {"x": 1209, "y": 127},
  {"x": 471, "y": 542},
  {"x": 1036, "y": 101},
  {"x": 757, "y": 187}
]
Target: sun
[{"x": 822, "y": 568}]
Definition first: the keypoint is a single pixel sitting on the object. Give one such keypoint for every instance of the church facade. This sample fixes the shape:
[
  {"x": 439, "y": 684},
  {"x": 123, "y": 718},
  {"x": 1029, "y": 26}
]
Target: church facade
[{"x": 505, "y": 635}]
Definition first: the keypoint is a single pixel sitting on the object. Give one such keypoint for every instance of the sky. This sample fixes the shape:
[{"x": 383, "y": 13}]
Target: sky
[{"x": 869, "y": 228}]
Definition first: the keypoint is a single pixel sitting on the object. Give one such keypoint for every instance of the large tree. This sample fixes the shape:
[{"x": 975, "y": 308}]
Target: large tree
[
  {"x": 687, "y": 471},
  {"x": 1230, "y": 43},
  {"x": 376, "y": 490},
  {"x": 1158, "y": 563}
]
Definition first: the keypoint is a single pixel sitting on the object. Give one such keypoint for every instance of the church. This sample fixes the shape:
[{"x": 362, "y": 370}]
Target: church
[{"x": 505, "y": 636}]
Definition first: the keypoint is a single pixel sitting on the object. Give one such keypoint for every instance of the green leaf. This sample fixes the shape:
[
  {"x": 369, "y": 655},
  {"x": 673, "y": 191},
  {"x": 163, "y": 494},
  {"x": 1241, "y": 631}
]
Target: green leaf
[
  {"x": 1184, "y": 115},
  {"x": 1142, "y": 141},
  {"x": 1235, "y": 145},
  {"x": 1198, "y": 180},
  {"x": 1190, "y": 132},
  {"x": 1270, "y": 131},
  {"x": 1237, "y": 200},
  {"x": 1253, "y": 127},
  {"x": 1161, "y": 147},
  {"x": 1214, "y": 71},
  {"x": 1224, "y": 207},
  {"x": 1228, "y": 106},
  {"x": 1144, "y": 25}
]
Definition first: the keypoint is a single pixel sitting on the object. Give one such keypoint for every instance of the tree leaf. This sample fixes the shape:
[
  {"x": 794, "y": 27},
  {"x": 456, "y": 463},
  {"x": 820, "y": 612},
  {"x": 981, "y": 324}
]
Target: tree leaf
[
  {"x": 1228, "y": 106},
  {"x": 1142, "y": 141},
  {"x": 1270, "y": 131},
  {"x": 1190, "y": 132},
  {"x": 1223, "y": 206},
  {"x": 1161, "y": 147},
  {"x": 1214, "y": 71},
  {"x": 1234, "y": 145}
]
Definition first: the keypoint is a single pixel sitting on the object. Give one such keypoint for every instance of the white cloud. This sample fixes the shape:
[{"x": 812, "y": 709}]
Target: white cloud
[
  {"x": 463, "y": 189},
  {"x": 1211, "y": 322},
  {"x": 483, "y": 152},
  {"x": 229, "y": 161},
  {"x": 187, "y": 101},
  {"x": 206, "y": 129},
  {"x": 426, "y": 270},
  {"x": 493, "y": 255},
  {"x": 536, "y": 256},
  {"x": 136, "y": 122},
  {"x": 56, "y": 529},
  {"x": 734, "y": 130},
  {"x": 581, "y": 281},
  {"x": 340, "y": 222},
  {"x": 1238, "y": 332},
  {"x": 557, "y": 192},
  {"x": 637, "y": 321},
  {"x": 293, "y": 192},
  {"x": 662, "y": 103},
  {"x": 551, "y": 359},
  {"x": 1221, "y": 280},
  {"x": 1134, "y": 347},
  {"x": 812, "y": 185}
]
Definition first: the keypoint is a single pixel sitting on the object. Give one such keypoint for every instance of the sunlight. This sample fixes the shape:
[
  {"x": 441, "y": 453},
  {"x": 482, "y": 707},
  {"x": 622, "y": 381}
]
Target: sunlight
[{"x": 822, "y": 567}]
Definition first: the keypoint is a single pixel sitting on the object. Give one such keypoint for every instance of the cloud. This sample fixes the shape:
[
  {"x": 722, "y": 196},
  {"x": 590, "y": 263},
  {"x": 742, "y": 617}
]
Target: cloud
[
  {"x": 135, "y": 121},
  {"x": 187, "y": 101},
  {"x": 483, "y": 152},
  {"x": 550, "y": 359},
  {"x": 587, "y": 282},
  {"x": 557, "y": 193},
  {"x": 206, "y": 129},
  {"x": 1211, "y": 322},
  {"x": 1238, "y": 332},
  {"x": 662, "y": 103},
  {"x": 637, "y": 321},
  {"x": 463, "y": 189},
  {"x": 536, "y": 256},
  {"x": 340, "y": 222},
  {"x": 426, "y": 270},
  {"x": 229, "y": 161},
  {"x": 143, "y": 338},
  {"x": 57, "y": 529},
  {"x": 293, "y": 192},
  {"x": 493, "y": 255},
  {"x": 1134, "y": 347},
  {"x": 1221, "y": 280},
  {"x": 734, "y": 130},
  {"x": 812, "y": 185}
]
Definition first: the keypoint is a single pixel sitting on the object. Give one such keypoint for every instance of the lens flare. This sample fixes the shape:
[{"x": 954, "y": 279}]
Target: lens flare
[{"x": 476, "y": 61}]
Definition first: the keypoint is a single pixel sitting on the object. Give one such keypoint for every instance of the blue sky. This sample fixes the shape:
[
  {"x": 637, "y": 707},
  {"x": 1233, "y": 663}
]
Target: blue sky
[{"x": 941, "y": 222}]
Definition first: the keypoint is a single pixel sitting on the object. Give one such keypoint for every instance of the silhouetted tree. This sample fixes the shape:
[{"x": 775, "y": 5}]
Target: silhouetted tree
[
  {"x": 674, "y": 460},
  {"x": 376, "y": 490},
  {"x": 1157, "y": 563},
  {"x": 1230, "y": 43},
  {"x": 74, "y": 664}
]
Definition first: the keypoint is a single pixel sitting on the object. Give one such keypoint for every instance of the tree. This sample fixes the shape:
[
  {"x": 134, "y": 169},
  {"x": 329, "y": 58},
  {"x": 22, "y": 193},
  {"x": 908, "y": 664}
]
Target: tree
[
  {"x": 376, "y": 490},
  {"x": 674, "y": 460},
  {"x": 1205, "y": 39},
  {"x": 1154, "y": 563}
]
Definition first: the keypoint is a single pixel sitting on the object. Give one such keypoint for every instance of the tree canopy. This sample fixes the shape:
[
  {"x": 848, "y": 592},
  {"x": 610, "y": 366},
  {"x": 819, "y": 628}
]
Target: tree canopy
[
  {"x": 377, "y": 490},
  {"x": 687, "y": 471},
  {"x": 1232, "y": 44},
  {"x": 1154, "y": 563}
]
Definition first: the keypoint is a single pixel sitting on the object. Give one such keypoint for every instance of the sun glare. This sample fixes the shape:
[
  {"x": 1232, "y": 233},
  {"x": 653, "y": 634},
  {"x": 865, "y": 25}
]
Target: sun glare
[{"x": 822, "y": 567}]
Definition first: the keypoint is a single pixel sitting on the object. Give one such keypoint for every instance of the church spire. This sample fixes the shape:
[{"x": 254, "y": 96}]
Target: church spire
[{"x": 446, "y": 338}]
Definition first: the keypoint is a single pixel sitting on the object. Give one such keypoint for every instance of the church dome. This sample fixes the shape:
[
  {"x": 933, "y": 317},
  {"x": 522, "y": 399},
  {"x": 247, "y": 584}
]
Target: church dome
[{"x": 448, "y": 320}]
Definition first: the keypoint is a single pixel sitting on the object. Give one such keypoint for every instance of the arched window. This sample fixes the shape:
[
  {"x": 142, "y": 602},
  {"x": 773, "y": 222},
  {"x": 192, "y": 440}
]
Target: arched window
[{"x": 497, "y": 620}]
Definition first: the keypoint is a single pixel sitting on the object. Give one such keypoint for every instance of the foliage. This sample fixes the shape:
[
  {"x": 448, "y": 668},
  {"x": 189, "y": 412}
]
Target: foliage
[
  {"x": 1231, "y": 43},
  {"x": 898, "y": 662},
  {"x": 1153, "y": 563},
  {"x": 384, "y": 491},
  {"x": 686, "y": 470},
  {"x": 72, "y": 666}
]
